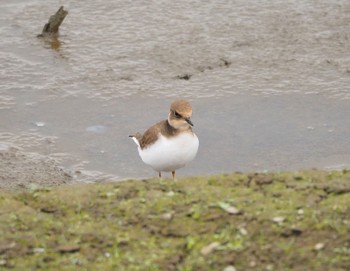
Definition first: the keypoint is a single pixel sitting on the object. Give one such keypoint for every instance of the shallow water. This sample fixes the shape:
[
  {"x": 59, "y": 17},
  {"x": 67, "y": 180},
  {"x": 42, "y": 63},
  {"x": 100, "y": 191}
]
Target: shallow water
[{"x": 269, "y": 82}]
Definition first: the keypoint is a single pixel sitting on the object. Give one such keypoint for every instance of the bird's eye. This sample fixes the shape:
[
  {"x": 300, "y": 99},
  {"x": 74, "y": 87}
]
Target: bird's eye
[{"x": 177, "y": 115}]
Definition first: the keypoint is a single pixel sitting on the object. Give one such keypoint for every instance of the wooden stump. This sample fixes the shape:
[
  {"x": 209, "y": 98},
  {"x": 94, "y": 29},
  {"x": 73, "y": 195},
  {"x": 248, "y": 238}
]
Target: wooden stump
[{"x": 54, "y": 22}]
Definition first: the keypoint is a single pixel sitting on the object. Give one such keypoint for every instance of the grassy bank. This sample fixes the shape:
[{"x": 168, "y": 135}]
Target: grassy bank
[{"x": 279, "y": 221}]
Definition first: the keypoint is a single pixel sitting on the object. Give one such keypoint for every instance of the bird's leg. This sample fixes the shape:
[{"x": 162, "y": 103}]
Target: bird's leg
[
  {"x": 173, "y": 173},
  {"x": 161, "y": 181}
]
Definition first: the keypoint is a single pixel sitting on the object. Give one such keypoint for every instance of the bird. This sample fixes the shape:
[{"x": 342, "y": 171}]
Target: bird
[{"x": 169, "y": 144}]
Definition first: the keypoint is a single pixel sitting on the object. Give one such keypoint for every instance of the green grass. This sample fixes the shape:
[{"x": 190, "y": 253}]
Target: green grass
[{"x": 275, "y": 221}]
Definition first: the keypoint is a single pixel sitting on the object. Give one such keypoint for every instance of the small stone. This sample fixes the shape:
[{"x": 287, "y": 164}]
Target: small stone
[
  {"x": 243, "y": 231},
  {"x": 167, "y": 216},
  {"x": 229, "y": 268},
  {"x": 209, "y": 248},
  {"x": 263, "y": 179},
  {"x": 170, "y": 194},
  {"x": 3, "y": 262},
  {"x": 252, "y": 263},
  {"x": 291, "y": 232},
  {"x": 230, "y": 209},
  {"x": 278, "y": 219},
  {"x": 48, "y": 209},
  {"x": 68, "y": 248},
  {"x": 38, "y": 250},
  {"x": 300, "y": 212},
  {"x": 319, "y": 246}
]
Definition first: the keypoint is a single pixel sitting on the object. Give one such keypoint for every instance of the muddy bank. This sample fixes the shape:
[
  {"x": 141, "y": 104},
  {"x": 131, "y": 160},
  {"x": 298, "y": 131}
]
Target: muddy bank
[
  {"x": 20, "y": 170},
  {"x": 278, "y": 221}
]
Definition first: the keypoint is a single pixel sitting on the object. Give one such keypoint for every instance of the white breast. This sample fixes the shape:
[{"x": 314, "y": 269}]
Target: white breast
[{"x": 169, "y": 154}]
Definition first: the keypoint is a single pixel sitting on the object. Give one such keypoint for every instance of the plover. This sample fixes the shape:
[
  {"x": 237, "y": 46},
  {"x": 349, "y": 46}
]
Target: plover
[{"x": 171, "y": 143}]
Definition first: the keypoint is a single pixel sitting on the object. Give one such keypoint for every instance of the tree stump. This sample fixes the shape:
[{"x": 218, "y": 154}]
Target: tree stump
[{"x": 54, "y": 22}]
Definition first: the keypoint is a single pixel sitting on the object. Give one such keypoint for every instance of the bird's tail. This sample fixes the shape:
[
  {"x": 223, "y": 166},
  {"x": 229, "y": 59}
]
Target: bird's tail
[{"x": 136, "y": 138}]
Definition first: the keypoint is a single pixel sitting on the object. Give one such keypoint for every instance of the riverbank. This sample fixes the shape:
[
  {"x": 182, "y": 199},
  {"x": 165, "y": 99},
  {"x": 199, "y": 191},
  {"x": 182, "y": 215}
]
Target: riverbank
[{"x": 273, "y": 221}]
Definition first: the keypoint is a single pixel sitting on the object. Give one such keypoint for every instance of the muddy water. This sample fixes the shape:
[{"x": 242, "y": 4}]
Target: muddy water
[{"x": 269, "y": 82}]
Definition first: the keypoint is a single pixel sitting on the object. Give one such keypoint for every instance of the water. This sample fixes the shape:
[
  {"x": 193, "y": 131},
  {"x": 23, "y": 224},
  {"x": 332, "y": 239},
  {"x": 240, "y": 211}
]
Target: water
[{"x": 269, "y": 82}]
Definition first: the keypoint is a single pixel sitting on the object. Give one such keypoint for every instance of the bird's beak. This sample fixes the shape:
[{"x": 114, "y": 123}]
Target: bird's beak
[{"x": 189, "y": 121}]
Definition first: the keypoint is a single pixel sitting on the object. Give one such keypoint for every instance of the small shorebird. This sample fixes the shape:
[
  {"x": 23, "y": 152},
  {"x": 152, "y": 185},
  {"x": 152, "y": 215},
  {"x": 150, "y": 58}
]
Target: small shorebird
[{"x": 171, "y": 143}]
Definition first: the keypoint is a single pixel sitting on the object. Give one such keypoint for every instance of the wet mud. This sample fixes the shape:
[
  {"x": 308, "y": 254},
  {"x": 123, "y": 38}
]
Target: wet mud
[
  {"x": 22, "y": 170},
  {"x": 269, "y": 82}
]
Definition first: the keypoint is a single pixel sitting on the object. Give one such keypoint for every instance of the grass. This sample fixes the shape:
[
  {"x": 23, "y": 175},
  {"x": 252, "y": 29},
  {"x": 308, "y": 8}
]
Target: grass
[{"x": 272, "y": 221}]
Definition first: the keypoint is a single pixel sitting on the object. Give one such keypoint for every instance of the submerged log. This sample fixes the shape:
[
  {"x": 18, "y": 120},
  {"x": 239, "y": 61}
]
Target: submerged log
[{"x": 54, "y": 22}]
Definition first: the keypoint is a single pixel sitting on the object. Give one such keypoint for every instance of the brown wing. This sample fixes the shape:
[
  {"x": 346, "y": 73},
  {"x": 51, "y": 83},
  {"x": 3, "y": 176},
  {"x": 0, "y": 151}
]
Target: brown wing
[{"x": 151, "y": 135}]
